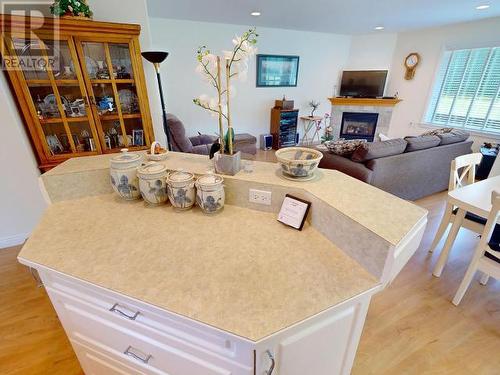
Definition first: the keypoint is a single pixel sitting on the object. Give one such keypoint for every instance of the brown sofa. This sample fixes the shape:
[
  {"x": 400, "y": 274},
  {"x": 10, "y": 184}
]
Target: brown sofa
[{"x": 409, "y": 168}]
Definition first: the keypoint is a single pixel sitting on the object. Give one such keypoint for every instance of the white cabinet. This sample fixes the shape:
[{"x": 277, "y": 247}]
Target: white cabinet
[
  {"x": 400, "y": 255},
  {"x": 323, "y": 345},
  {"x": 114, "y": 334},
  {"x": 320, "y": 349}
]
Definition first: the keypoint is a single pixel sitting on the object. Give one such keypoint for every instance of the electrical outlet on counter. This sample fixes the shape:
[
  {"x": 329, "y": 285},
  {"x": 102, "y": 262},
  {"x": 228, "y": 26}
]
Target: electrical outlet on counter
[{"x": 259, "y": 197}]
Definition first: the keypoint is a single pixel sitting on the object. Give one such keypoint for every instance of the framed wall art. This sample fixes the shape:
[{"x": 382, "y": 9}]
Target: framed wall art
[{"x": 277, "y": 70}]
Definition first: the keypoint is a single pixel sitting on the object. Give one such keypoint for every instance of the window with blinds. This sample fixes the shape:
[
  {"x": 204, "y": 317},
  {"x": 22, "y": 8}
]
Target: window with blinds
[{"x": 466, "y": 93}]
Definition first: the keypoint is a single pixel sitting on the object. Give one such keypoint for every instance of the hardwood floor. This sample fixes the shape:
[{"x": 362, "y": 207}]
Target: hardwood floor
[
  {"x": 412, "y": 327},
  {"x": 32, "y": 340}
]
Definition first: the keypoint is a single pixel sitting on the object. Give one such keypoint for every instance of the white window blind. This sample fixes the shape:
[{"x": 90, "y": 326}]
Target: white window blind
[{"x": 466, "y": 93}]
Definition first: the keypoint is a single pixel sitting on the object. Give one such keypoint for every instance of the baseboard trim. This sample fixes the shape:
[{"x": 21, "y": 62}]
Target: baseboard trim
[{"x": 14, "y": 240}]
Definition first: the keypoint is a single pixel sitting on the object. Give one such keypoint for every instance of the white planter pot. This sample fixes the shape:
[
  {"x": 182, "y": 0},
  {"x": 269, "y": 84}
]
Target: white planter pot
[{"x": 227, "y": 164}]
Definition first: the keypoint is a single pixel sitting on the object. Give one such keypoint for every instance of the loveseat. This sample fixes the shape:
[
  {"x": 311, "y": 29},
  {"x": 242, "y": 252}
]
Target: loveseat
[{"x": 410, "y": 168}]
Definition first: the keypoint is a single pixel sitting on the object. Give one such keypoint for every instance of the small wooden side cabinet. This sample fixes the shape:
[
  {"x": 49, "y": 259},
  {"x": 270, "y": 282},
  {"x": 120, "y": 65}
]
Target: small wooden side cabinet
[
  {"x": 284, "y": 127},
  {"x": 79, "y": 84}
]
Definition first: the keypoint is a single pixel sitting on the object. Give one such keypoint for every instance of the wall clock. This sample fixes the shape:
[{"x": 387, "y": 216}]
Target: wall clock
[{"x": 411, "y": 62}]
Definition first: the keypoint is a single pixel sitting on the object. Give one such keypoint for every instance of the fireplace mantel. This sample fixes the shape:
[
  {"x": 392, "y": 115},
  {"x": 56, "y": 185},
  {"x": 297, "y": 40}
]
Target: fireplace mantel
[{"x": 365, "y": 102}]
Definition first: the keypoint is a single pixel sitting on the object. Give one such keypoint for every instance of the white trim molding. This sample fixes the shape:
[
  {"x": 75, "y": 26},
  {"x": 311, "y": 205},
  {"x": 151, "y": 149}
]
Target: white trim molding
[{"x": 14, "y": 240}]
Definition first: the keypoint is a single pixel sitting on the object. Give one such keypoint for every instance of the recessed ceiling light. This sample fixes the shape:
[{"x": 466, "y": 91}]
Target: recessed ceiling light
[
  {"x": 255, "y": 14},
  {"x": 379, "y": 27},
  {"x": 482, "y": 7}
]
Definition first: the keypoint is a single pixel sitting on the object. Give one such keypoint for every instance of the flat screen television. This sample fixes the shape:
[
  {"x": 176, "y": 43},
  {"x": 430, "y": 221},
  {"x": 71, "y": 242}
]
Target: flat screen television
[{"x": 363, "y": 83}]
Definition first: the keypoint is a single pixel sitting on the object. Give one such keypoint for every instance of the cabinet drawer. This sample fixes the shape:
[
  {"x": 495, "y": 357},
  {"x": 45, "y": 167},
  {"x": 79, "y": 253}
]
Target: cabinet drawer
[
  {"x": 144, "y": 316},
  {"x": 83, "y": 322},
  {"x": 104, "y": 361}
]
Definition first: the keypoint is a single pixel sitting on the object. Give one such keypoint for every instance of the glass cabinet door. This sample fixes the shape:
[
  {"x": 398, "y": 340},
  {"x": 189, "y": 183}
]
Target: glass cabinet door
[
  {"x": 57, "y": 95},
  {"x": 111, "y": 82}
]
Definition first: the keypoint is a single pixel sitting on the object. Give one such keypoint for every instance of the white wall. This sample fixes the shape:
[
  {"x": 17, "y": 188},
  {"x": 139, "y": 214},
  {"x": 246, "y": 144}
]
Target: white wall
[
  {"x": 322, "y": 57},
  {"x": 429, "y": 44},
  {"x": 371, "y": 51},
  {"x": 21, "y": 203}
]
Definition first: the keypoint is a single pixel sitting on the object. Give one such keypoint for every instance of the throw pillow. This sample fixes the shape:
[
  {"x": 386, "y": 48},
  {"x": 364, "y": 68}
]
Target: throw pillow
[
  {"x": 455, "y": 136},
  {"x": 344, "y": 147},
  {"x": 376, "y": 150},
  {"x": 438, "y": 131},
  {"x": 449, "y": 135},
  {"x": 422, "y": 142}
]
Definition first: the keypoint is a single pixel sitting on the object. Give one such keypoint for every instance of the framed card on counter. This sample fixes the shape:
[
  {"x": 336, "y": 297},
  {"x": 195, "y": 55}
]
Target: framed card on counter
[{"x": 294, "y": 211}]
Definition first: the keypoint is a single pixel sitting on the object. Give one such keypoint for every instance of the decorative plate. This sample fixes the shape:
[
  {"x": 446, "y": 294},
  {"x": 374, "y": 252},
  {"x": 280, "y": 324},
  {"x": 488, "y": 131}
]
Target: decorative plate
[{"x": 50, "y": 100}]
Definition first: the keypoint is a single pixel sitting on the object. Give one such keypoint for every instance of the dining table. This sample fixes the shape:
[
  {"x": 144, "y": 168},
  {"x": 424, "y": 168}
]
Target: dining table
[{"x": 474, "y": 198}]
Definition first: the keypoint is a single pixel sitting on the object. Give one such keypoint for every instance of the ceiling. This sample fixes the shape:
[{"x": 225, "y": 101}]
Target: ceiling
[{"x": 332, "y": 16}]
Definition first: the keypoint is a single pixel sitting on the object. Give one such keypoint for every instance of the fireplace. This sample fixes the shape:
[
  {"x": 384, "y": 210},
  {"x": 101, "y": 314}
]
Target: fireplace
[{"x": 358, "y": 125}]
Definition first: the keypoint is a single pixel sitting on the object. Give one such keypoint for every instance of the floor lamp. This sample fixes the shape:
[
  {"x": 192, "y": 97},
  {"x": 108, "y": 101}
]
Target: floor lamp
[{"x": 157, "y": 58}]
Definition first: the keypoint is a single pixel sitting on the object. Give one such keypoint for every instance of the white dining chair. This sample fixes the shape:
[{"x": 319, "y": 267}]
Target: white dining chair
[
  {"x": 487, "y": 254},
  {"x": 462, "y": 172}
]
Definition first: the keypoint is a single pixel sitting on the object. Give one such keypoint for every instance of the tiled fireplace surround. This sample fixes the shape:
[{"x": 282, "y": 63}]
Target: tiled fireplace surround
[{"x": 384, "y": 116}]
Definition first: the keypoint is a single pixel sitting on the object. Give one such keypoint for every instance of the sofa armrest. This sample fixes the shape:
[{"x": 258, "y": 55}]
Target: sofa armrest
[
  {"x": 202, "y": 139},
  {"x": 201, "y": 149},
  {"x": 347, "y": 166}
]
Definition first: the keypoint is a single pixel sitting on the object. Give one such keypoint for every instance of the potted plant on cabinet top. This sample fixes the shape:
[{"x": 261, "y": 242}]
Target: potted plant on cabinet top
[
  {"x": 235, "y": 65},
  {"x": 71, "y": 9}
]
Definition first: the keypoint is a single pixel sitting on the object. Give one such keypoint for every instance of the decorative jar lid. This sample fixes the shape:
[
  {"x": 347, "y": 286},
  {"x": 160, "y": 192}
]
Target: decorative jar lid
[
  {"x": 209, "y": 180},
  {"x": 152, "y": 170},
  {"x": 180, "y": 176},
  {"x": 125, "y": 160}
]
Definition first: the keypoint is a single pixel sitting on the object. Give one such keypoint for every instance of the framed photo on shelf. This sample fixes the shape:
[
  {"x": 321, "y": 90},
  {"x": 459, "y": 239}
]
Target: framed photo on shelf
[
  {"x": 54, "y": 144},
  {"x": 138, "y": 137},
  {"x": 277, "y": 70}
]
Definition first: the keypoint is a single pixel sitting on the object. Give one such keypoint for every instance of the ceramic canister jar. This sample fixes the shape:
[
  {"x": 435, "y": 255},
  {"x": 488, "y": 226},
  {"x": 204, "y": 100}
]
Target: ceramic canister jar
[
  {"x": 152, "y": 182},
  {"x": 123, "y": 173},
  {"x": 210, "y": 194},
  {"x": 180, "y": 190}
]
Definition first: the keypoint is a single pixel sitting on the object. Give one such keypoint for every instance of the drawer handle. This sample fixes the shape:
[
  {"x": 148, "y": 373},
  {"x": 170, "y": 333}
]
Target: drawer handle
[
  {"x": 116, "y": 309},
  {"x": 130, "y": 352},
  {"x": 273, "y": 362}
]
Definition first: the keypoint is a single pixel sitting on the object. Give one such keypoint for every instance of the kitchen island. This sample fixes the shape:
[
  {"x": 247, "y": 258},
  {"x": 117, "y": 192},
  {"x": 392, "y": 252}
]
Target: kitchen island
[{"x": 143, "y": 289}]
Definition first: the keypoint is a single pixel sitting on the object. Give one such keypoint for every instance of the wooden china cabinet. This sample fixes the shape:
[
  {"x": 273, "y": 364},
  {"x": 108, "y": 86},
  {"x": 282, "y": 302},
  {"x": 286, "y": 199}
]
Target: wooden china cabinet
[{"x": 79, "y": 84}]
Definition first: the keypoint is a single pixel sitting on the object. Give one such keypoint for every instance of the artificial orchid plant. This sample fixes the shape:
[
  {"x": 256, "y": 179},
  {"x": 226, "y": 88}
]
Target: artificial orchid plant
[{"x": 235, "y": 65}]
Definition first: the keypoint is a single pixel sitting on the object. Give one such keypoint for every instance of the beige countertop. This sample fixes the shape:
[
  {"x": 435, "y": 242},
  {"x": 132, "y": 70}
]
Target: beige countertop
[
  {"x": 386, "y": 215},
  {"x": 251, "y": 282}
]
